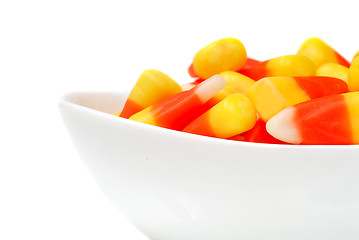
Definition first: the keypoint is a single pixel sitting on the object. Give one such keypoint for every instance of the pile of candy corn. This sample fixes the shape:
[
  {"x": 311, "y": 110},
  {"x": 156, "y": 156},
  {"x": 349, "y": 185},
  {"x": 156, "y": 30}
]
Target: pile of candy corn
[{"x": 311, "y": 97}]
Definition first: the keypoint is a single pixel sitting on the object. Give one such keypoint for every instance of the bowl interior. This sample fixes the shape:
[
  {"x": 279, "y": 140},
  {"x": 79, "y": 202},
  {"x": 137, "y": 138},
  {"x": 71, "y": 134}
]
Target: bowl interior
[{"x": 107, "y": 102}]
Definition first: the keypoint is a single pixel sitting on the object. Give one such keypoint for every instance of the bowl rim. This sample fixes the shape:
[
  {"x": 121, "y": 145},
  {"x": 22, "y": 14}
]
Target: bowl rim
[{"x": 64, "y": 101}]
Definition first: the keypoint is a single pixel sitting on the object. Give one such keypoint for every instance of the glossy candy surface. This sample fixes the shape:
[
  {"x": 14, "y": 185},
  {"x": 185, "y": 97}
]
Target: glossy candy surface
[
  {"x": 320, "y": 52},
  {"x": 289, "y": 65},
  {"x": 353, "y": 75},
  {"x": 152, "y": 86},
  {"x": 259, "y": 134},
  {"x": 177, "y": 111},
  {"x": 273, "y": 94},
  {"x": 191, "y": 72},
  {"x": 232, "y": 96},
  {"x": 250, "y": 64},
  {"x": 227, "y": 54},
  {"x": 233, "y": 115},
  {"x": 355, "y": 55},
  {"x": 327, "y": 120},
  {"x": 236, "y": 82},
  {"x": 333, "y": 70}
]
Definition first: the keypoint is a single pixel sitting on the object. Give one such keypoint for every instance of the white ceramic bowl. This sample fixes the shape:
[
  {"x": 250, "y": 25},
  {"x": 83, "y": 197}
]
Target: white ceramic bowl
[{"x": 180, "y": 186}]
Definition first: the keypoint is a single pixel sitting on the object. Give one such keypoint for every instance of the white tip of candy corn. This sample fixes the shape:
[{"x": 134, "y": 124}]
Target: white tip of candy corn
[
  {"x": 282, "y": 126},
  {"x": 208, "y": 88}
]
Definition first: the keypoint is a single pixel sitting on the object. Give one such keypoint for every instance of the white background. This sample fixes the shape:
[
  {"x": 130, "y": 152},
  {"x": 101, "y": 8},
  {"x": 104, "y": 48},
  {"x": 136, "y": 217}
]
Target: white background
[{"x": 48, "y": 48}]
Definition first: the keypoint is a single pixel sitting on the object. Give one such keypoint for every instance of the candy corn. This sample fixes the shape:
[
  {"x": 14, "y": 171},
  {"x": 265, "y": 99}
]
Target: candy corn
[
  {"x": 273, "y": 94},
  {"x": 239, "y": 137},
  {"x": 236, "y": 82},
  {"x": 191, "y": 71},
  {"x": 333, "y": 70},
  {"x": 233, "y": 115},
  {"x": 355, "y": 55},
  {"x": 291, "y": 99},
  {"x": 152, "y": 86},
  {"x": 176, "y": 111},
  {"x": 320, "y": 52},
  {"x": 327, "y": 120},
  {"x": 289, "y": 65},
  {"x": 353, "y": 76},
  {"x": 226, "y": 54},
  {"x": 250, "y": 64},
  {"x": 259, "y": 134}
]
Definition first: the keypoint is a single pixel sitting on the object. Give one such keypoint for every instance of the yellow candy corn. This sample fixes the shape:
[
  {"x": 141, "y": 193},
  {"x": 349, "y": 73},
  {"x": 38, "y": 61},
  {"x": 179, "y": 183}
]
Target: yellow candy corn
[
  {"x": 233, "y": 115},
  {"x": 320, "y": 52},
  {"x": 288, "y": 65},
  {"x": 222, "y": 55},
  {"x": 355, "y": 55},
  {"x": 152, "y": 86},
  {"x": 273, "y": 94},
  {"x": 353, "y": 76},
  {"x": 236, "y": 82},
  {"x": 333, "y": 70}
]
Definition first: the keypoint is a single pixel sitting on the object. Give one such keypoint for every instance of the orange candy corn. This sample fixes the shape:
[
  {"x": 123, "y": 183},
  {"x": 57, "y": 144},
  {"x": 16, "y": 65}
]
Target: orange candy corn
[
  {"x": 320, "y": 52},
  {"x": 239, "y": 137},
  {"x": 175, "y": 112},
  {"x": 227, "y": 54},
  {"x": 327, "y": 120},
  {"x": 235, "y": 83},
  {"x": 191, "y": 71},
  {"x": 152, "y": 86},
  {"x": 259, "y": 134},
  {"x": 353, "y": 76},
  {"x": 273, "y": 94},
  {"x": 250, "y": 63},
  {"x": 233, "y": 115},
  {"x": 289, "y": 65},
  {"x": 296, "y": 99},
  {"x": 333, "y": 70}
]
